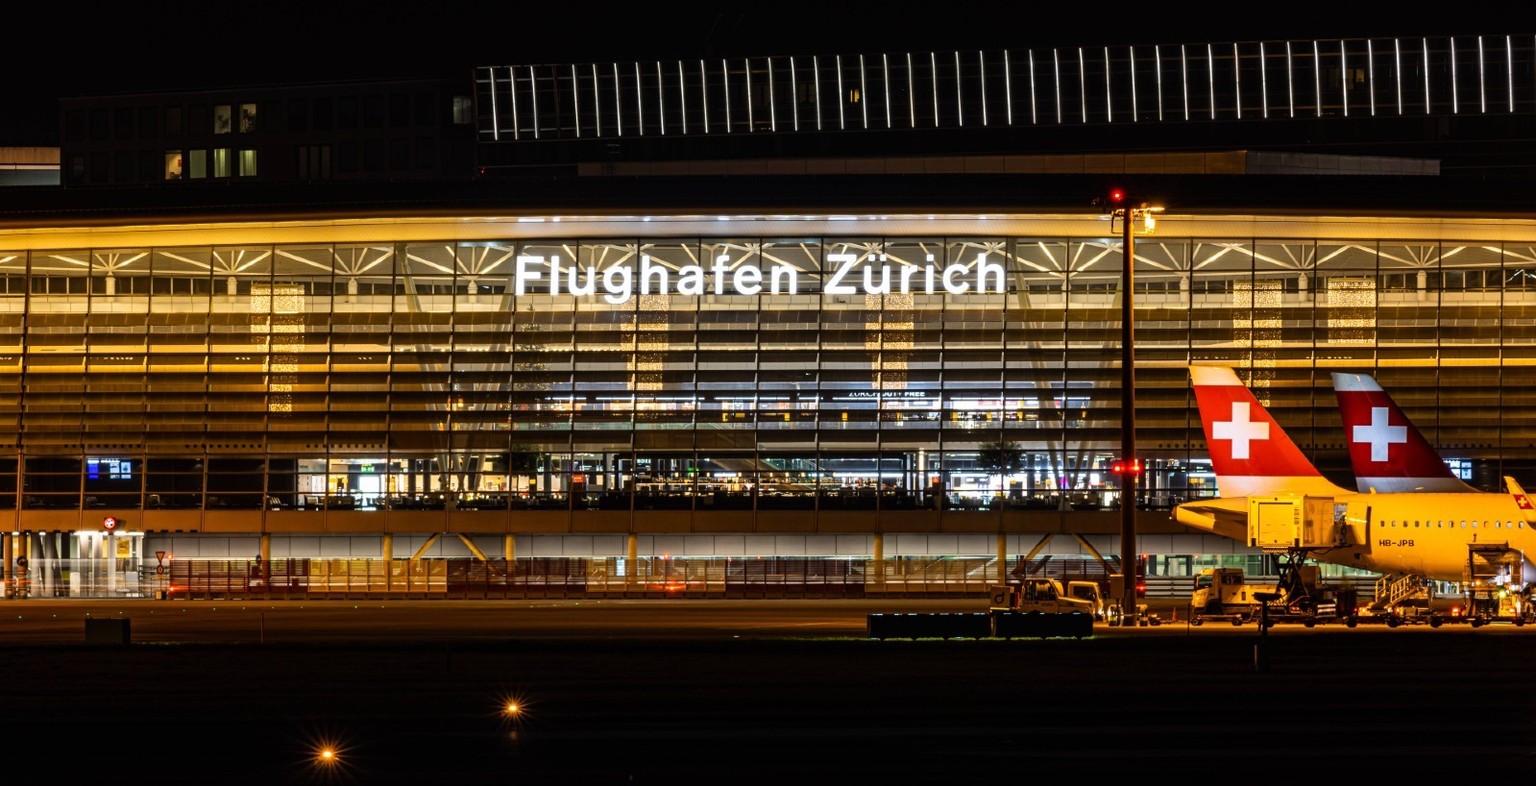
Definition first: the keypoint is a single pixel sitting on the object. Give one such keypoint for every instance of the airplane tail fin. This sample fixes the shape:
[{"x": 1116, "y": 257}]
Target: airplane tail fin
[
  {"x": 1250, "y": 453},
  {"x": 1387, "y": 452}
]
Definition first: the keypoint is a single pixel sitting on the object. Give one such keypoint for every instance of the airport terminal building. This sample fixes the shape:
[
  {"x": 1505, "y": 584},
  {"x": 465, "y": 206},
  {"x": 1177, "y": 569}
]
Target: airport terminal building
[{"x": 758, "y": 353}]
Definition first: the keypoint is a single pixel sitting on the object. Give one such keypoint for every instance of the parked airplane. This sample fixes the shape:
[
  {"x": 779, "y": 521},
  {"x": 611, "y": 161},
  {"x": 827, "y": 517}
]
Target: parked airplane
[
  {"x": 1387, "y": 452},
  {"x": 1260, "y": 472}
]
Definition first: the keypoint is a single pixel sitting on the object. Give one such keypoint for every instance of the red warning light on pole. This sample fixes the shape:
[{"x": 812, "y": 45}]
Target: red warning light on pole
[
  {"x": 1117, "y": 196},
  {"x": 1132, "y": 467}
]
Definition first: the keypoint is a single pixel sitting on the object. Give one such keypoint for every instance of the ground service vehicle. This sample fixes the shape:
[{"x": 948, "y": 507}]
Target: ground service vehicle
[
  {"x": 1043, "y": 595},
  {"x": 1223, "y": 594}
]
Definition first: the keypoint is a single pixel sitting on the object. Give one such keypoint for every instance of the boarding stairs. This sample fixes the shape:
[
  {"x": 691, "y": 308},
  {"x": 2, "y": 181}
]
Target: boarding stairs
[{"x": 1394, "y": 590}]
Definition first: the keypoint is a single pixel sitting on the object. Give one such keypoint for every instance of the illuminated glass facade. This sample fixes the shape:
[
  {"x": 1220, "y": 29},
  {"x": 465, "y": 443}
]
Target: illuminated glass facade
[{"x": 286, "y": 383}]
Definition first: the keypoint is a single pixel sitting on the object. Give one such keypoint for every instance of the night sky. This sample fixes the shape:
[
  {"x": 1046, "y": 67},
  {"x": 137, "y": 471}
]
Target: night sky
[{"x": 79, "y": 50}]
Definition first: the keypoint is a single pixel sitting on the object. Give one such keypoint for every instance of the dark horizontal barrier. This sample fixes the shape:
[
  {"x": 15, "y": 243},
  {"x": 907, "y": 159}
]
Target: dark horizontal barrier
[
  {"x": 1036, "y": 624},
  {"x": 930, "y": 626}
]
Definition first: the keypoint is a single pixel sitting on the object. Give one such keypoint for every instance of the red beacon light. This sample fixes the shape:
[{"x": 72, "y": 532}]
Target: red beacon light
[
  {"x": 1117, "y": 196},
  {"x": 1132, "y": 467}
]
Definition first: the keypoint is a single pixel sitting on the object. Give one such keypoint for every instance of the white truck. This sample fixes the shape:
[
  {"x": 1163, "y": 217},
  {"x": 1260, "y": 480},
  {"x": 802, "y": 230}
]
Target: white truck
[
  {"x": 1223, "y": 594},
  {"x": 1049, "y": 596}
]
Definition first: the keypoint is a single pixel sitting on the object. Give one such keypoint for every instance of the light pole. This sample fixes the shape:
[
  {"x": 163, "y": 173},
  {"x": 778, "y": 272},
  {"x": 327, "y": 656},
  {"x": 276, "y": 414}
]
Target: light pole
[{"x": 1129, "y": 467}]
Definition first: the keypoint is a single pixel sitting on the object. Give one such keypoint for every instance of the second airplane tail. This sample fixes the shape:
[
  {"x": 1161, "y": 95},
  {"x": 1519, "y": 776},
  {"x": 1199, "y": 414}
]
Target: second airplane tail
[
  {"x": 1250, "y": 453},
  {"x": 1387, "y": 452}
]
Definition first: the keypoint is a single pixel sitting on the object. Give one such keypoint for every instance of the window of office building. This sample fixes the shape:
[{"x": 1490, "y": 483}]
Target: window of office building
[
  {"x": 173, "y": 165},
  {"x": 298, "y": 115},
  {"x": 173, "y": 121},
  {"x": 247, "y": 118},
  {"x": 314, "y": 162},
  {"x": 247, "y": 163},
  {"x": 149, "y": 119},
  {"x": 223, "y": 118},
  {"x": 122, "y": 123},
  {"x": 346, "y": 112},
  {"x": 221, "y": 162},
  {"x": 463, "y": 111},
  {"x": 197, "y": 164}
]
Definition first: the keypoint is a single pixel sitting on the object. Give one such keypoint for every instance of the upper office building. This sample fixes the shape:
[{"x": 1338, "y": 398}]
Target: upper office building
[{"x": 404, "y": 129}]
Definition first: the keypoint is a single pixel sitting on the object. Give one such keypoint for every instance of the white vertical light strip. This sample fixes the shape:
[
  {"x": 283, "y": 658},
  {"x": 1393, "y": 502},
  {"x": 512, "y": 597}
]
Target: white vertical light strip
[
  {"x": 1370, "y": 73},
  {"x": 1263, "y": 80},
  {"x": 1034, "y": 107},
  {"x": 533, "y": 95},
  {"x": 842, "y": 97},
  {"x": 576, "y": 98},
  {"x": 1455, "y": 88},
  {"x": 933, "y": 79},
  {"x": 816, "y": 86},
  {"x": 1509, "y": 70},
  {"x": 495, "y": 126},
  {"x": 981, "y": 63},
  {"x": 1424, "y": 45},
  {"x": 1482, "y": 80},
  {"x": 1008, "y": 86},
  {"x": 959, "y": 101},
  {"x": 794, "y": 96},
  {"x": 1056, "y": 59},
  {"x": 1131, "y": 67},
  {"x": 1397, "y": 71},
  {"x": 682, "y": 96},
  {"x": 639, "y": 103},
  {"x": 725, "y": 82},
  {"x": 1237, "y": 82},
  {"x": 1290, "y": 80},
  {"x": 773, "y": 106},
  {"x": 1343, "y": 77},
  {"x": 1184, "y": 76},
  {"x": 885, "y": 70},
  {"x": 597, "y": 104},
  {"x": 512, "y": 96},
  {"x": 1210, "y": 77},
  {"x": 618, "y": 104},
  {"x": 1082, "y": 85},
  {"x": 661, "y": 100},
  {"x": 746, "y": 78},
  {"x": 1317, "y": 79},
  {"x": 911, "y": 95},
  {"x": 1157, "y": 58},
  {"x": 704, "y": 93},
  {"x": 863, "y": 93},
  {"x": 1109, "y": 109}
]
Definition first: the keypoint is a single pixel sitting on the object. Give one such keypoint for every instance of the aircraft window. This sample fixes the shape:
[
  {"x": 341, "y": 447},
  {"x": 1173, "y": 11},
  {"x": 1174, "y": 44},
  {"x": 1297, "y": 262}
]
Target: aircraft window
[{"x": 1463, "y": 525}]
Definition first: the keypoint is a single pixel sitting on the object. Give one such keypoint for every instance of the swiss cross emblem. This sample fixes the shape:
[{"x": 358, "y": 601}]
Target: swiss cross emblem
[{"x": 1525, "y": 504}]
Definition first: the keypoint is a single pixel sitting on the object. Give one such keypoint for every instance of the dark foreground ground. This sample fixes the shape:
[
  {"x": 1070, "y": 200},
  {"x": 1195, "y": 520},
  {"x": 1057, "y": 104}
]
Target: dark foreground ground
[{"x": 1136, "y": 705}]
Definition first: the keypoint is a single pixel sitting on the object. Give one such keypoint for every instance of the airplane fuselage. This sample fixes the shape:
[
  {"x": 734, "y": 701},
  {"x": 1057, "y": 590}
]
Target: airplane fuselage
[{"x": 1428, "y": 534}]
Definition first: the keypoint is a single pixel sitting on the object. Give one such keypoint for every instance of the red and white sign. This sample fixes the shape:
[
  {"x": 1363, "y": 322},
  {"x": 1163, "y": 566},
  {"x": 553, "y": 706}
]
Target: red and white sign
[{"x": 109, "y": 522}]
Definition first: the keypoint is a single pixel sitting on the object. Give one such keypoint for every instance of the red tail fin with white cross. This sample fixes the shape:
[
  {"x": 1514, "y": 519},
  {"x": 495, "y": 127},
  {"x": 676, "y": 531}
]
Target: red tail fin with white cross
[
  {"x": 1387, "y": 452},
  {"x": 1250, "y": 453}
]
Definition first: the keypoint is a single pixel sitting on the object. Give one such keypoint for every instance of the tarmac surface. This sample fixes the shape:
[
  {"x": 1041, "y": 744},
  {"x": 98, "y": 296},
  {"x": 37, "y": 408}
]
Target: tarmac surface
[{"x": 727, "y": 692}]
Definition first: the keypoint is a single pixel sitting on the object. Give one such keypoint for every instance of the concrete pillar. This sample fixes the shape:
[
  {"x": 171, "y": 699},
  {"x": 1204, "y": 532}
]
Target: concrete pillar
[
  {"x": 509, "y": 546},
  {"x": 632, "y": 556},
  {"x": 387, "y": 553},
  {"x": 266, "y": 548},
  {"x": 879, "y": 557},
  {"x": 1002, "y": 558}
]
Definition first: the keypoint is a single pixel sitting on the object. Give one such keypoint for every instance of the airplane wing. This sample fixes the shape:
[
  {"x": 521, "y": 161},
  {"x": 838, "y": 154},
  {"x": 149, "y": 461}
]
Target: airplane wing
[{"x": 1224, "y": 516}]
